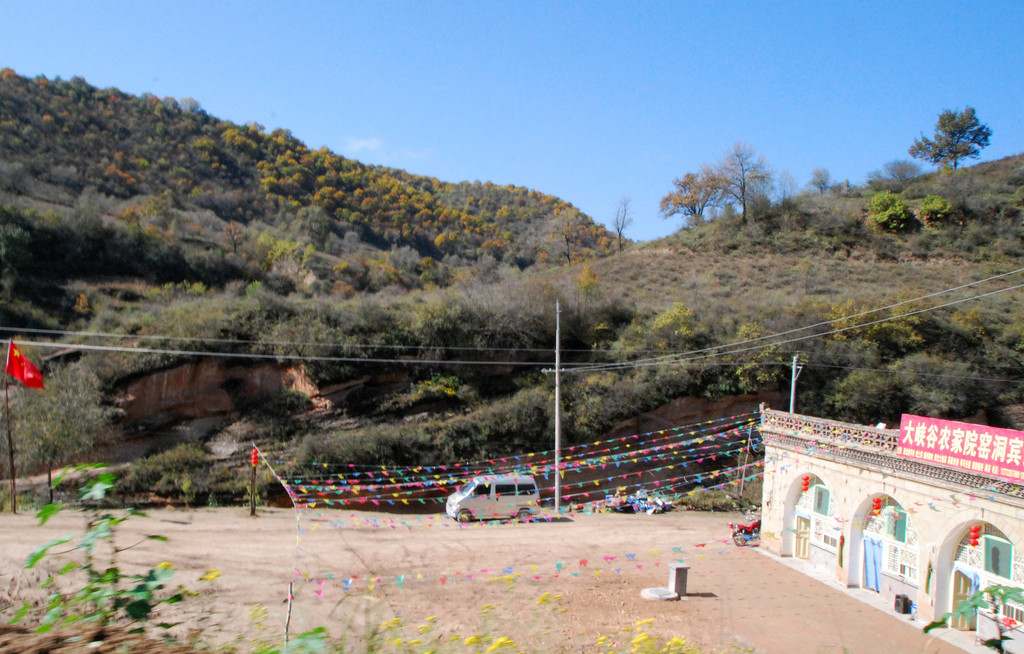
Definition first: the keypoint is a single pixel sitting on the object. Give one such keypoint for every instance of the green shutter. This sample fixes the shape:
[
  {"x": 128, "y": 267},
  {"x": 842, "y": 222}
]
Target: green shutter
[
  {"x": 821, "y": 499},
  {"x": 899, "y": 527},
  {"x": 998, "y": 556}
]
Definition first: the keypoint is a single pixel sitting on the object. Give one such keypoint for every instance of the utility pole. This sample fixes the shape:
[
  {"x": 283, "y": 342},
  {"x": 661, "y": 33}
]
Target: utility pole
[
  {"x": 746, "y": 455},
  {"x": 792, "y": 386},
  {"x": 558, "y": 408},
  {"x": 10, "y": 447}
]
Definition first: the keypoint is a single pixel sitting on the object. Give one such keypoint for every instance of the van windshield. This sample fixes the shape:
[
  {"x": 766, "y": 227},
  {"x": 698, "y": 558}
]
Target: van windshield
[{"x": 466, "y": 488}]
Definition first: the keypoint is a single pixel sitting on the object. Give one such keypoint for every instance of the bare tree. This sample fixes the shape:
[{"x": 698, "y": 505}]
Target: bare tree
[
  {"x": 895, "y": 176},
  {"x": 233, "y": 234},
  {"x": 568, "y": 223},
  {"x": 622, "y": 219},
  {"x": 821, "y": 180},
  {"x": 785, "y": 186},
  {"x": 902, "y": 170},
  {"x": 748, "y": 175}
]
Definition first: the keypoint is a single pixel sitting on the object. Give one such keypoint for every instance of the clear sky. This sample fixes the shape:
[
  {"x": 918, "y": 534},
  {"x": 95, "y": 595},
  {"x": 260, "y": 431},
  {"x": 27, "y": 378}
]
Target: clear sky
[{"x": 591, "y": 101}]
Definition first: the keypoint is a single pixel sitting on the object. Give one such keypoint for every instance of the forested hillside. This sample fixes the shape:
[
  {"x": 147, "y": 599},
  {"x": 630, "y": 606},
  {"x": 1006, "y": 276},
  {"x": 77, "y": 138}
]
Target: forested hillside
[
  {"x": 202, "y": 199},
  {"x": 156, "y": 233}
]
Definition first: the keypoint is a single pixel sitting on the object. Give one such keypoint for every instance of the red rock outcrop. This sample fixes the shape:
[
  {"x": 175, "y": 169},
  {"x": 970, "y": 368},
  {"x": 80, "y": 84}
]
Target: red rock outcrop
[{"x": 203, "y": 390}]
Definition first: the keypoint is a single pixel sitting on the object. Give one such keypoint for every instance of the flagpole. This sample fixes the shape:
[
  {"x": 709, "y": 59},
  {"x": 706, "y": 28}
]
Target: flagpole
[{"x": 10, "y": 439}]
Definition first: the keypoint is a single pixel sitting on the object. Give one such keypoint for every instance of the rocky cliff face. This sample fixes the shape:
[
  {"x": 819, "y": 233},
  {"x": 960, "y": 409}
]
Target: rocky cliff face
[
  {"x": 203, "y": 390},
  {"x": 191, "y": 401}
]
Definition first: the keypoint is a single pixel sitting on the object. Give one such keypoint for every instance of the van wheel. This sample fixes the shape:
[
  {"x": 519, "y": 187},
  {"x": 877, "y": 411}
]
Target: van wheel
[
  {"x": 524, "y": 514},
  {"x": 465, "y": 515}
]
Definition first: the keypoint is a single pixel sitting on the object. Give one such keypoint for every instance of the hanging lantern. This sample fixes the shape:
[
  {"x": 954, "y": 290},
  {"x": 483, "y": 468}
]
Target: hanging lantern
[
  {"x": 876, "y": 506},
  {"x": 805, "y": 483},
  {"x": 974, "y": 535}
]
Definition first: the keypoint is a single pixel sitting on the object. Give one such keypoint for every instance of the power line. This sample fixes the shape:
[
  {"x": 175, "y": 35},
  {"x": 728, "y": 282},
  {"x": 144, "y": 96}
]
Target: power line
[
  {"x": 910, "y": 372},
  {"x": 320, "y": 344},
  {"x": 277, "y": 357},
  {"x": 673, "y": 359},
  {"x": 724, "y": 350}
]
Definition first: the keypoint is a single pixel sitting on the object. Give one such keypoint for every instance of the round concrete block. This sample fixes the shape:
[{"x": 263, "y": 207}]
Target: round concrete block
[{"x": 658, "y": 594}]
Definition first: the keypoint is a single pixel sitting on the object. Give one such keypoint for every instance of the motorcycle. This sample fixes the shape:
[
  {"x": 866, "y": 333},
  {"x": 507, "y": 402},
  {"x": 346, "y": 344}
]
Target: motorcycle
[{"x": 746, "y": 534}]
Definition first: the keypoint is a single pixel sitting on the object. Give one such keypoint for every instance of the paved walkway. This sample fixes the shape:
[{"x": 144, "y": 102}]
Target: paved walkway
[{"x": 964, "y": 640}]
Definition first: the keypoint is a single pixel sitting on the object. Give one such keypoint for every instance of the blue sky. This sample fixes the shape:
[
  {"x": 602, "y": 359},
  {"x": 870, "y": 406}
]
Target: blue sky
[{"x": 590, "y": 101}]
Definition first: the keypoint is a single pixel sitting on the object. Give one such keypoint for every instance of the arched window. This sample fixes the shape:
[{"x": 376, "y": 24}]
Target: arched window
[
  {"x": 895, "y": 529},
  {"x": 993, "y": 561},
  {"x": 823, "y": 530}
]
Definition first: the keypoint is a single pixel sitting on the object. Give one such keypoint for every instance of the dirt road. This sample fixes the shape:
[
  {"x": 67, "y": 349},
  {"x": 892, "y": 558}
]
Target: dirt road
[{"x": 552, "y": 586}]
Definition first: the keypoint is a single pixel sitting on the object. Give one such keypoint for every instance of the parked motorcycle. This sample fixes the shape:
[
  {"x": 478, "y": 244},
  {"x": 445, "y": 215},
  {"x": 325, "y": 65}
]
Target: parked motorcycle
[{"x": 746, "y": 534}]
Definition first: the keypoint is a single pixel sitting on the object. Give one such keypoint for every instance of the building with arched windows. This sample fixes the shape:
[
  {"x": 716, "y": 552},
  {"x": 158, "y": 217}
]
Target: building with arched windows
[{"x": 892, "y": 512}]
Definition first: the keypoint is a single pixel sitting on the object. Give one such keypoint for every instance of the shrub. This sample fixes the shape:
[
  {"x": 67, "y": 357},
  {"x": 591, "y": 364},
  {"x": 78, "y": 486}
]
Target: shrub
[
  {"x": 185, "y": 473},
  {"x": 890, "y": 212},
  {"x": 935, "y": 209},
  {"x": 274, "y": 418},
  {"x": 716, "y": 500},
  {"x": 376, "y": 445}
]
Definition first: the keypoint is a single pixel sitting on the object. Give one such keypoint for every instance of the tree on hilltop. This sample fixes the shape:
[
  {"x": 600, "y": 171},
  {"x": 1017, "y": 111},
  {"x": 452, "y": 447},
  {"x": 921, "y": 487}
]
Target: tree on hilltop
[
  {"x": 747, "y": 173},
  {"x": 958, "y": 135},
  {"x": 695, "y": 192},
  {"x": 821, "y": 180},
  {"x": 622, "y": 219}
]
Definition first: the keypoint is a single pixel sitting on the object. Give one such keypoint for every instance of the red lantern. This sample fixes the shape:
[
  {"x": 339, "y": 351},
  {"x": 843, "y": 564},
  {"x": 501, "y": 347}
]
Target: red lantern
[
  {"x": 876, "y": 506},
  {"x": 805, "y": 483},
  {"x": 974, "y": 535},
  {"x": 254, "y": 457}
]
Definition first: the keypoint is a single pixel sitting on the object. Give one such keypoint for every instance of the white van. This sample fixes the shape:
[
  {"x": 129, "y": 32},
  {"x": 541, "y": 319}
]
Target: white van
[{"x": 490, "y": 497}]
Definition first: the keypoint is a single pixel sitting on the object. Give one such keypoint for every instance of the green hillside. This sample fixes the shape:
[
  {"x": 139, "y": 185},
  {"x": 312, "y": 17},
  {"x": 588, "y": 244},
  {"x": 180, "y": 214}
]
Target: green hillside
[
  {"x": 140, "y": 222},
  {"x": 207, "y": 200}
]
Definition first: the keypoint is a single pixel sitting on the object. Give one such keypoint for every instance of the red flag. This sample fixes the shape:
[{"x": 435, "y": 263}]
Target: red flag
[{"x": 22, "y": 369}]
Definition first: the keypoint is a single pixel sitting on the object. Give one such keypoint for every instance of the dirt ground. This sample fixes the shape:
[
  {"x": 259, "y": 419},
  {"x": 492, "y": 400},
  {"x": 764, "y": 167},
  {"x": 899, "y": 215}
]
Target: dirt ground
[{"x": 551, "y": 586}]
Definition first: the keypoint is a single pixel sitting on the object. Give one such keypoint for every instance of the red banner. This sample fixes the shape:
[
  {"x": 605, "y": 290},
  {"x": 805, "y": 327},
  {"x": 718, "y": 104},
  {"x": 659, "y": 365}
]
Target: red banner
[{"x": 973, "y": 448}]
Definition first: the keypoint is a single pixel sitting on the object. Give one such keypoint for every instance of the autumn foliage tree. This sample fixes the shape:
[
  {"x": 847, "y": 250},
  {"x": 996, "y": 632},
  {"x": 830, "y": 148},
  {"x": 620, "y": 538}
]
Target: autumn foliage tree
[{"x": 694, "y": 193}]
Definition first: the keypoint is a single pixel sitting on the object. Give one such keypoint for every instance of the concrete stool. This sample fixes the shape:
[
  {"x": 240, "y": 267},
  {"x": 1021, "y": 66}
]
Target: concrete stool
[{"x": 677, "y": 574}]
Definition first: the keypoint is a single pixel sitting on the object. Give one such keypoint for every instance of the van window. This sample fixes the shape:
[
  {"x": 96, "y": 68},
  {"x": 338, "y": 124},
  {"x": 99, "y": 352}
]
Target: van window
[
  {"x": 482, "y": 489},
  {"x": 505, "y": 489},
  {"x": 527, "y": 489}
]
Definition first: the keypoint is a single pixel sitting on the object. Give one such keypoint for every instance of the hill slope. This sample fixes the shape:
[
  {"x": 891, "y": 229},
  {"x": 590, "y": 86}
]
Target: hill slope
[
  {"x": 236, "y": 202},
  {"x": 414, "y": 317}
]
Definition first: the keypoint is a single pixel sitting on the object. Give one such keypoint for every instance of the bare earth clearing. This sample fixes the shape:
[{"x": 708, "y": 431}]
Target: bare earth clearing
[{"x": 478, "y": 579}]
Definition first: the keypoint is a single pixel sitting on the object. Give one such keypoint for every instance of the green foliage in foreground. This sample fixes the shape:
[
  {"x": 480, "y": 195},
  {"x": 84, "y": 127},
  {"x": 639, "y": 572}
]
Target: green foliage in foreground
[
  {"x": 993, "y": 598},
  {"x": 107, "y": 594}
]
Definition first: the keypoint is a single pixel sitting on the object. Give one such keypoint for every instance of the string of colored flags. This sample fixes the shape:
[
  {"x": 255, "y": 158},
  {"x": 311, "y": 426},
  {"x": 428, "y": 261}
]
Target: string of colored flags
[{"x": 324, "y": 585}]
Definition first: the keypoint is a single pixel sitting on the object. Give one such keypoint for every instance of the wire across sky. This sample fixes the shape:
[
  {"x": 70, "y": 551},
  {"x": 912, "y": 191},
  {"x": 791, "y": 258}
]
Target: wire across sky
[{"x": 704, "y": 355}]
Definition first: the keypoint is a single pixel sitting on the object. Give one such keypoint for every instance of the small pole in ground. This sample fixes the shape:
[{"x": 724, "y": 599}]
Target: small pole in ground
[
  {"x": 288, "y": 618},
  {"x": 254, "y": 459}
]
